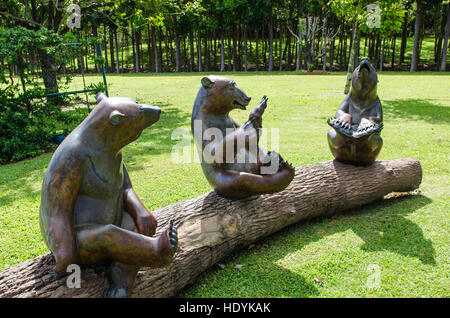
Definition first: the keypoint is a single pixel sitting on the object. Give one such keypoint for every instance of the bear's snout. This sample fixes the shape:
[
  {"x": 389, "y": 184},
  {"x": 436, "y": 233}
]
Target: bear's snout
[{"x": 151, "y": 114}]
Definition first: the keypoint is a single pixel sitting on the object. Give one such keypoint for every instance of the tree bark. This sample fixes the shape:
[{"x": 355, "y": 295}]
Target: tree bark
[
  {"x": 177, "y": 49},
  {"x": 234, "y": 48},
  {"x": 191, "y": 51},
  {"x": 222, "y": 52},
  {"x": 351, "y": 60},
  {"x": 199, "y": 51},
  {"x": 325, "y": 40},
  {"x": 155, "y": 47},
  {"x": 256, "y": 51},
  {"x": 403, "y": 42},
  {"x": 394, "y": 39},
  {"x": 382, "y": 54},
  {"x": 48, "y": 65},
  {"x": 245, "y": 48},
  {"x": 270, "y": 68},
  {"x": 444, "y": 50},
  {"x": 417, "y": 23},
  {"x": 116, "y": 49},
  {"x": 211, "y": 228}
]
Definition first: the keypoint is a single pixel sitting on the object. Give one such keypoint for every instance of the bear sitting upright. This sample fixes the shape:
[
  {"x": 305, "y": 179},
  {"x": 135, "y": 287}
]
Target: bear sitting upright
[
  {"x": 355, "y": 137},
  {"x": 89, "y": 211},
  {"x": 239, "y": 168}
]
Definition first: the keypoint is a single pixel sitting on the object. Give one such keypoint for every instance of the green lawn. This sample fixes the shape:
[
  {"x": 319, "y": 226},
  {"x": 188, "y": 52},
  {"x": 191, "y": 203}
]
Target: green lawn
[{"x": 408, "y": 238}]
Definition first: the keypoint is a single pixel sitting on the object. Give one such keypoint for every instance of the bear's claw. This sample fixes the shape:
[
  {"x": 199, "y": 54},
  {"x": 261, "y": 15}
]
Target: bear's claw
[{"x": 173, "y": 237}]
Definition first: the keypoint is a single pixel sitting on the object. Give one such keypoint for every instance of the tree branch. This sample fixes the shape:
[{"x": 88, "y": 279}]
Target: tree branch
[{"x": 25, "y": 23}]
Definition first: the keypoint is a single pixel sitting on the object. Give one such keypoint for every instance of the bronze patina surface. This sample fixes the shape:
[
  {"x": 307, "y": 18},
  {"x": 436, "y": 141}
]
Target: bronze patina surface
[
  {"x": 355, "y": 137},
  {"x": 89, "y": 211},
  {"x": 235, "y": 179}
]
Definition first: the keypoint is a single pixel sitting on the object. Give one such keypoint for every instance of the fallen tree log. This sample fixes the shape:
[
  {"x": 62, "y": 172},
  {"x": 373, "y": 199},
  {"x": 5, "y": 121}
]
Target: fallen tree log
[{"x": 211, "y": 228}]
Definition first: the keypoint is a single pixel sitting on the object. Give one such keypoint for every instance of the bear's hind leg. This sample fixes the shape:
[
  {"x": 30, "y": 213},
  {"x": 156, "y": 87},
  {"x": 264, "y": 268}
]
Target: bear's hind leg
[
  {"x": 120, "y": 280},
  {"x": 109, "y": 242},
  {"x": 340, "y": 146},
  {"x": 239, "y": 185},
  {"x": 121, "y": 276},
  {"x": 368, "y": 151}
]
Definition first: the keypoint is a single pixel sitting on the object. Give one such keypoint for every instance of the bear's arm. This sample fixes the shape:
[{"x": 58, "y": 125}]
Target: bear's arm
[
  {"x": 343, "y": 109},
  {"x": 376, "y": 114},
  {"x": 145, "y": 222},
  {"x": 62, "y": 188}
]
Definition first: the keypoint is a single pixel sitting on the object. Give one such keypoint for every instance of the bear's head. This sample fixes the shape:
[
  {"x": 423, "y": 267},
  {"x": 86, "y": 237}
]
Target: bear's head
[
  {"x": 222, "y": 95},
  {"x": 120, "y": 119},
  {"x": 364, "y": 81}
]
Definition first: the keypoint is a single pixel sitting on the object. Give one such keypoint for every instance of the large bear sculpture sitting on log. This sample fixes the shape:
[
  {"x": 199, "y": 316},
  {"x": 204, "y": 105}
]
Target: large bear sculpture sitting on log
[
  {"x": 240, "y": 168},
  {"x": 89, "y": 212},
  {"x": 355, "y": 137}
]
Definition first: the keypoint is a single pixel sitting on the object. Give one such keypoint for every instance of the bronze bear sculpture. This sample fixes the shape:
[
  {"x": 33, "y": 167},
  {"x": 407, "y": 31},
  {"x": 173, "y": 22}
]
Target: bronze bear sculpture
[
  {"x": 355, "y": 137},
  {"x": 89, "y": 212},
  {"x": 229, "y": 177}
]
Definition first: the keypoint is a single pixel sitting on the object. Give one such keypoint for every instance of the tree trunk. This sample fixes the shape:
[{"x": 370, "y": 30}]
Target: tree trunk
[
  {"x": 177, "y": 50},
  {"x": 281, "y": 50},
  {"x": 222, "y": 52},
  {"x": 156, "y": 57},
  {"x": 382, "y": 54},
  {"x": 245, "y": 48},
  {"x": 270, "y": 41},
  {"x": 160, "y": 51},
  {"x": 357, "y": 49},
  {"x": 234, "y": 49},
  {"x": 417, "y": 24},
  {"x": 211, "y": 228},
  {"x": 199, "y": 51},
  {"x": 444, "y": 50},
  {"x": 206, "y": 52},
  {"x": 133, "y": 45},
  {"x": 351, "y": 60},
  {"x": 116, "y": 49},
  {"x": 229, "y": 52},
  {"x": 111, "y": 50},
  {"x": 394, "y": 39},
  {"x": 191, "y": 51},
  {"x": 105, "y": 49},
  {"x": 256, "y": 52},
  {"x": 48, "y": 65},
  {"x": 325, "y": 40},
  {"x": 404, "y": 36},
  {"x": 137, "y": 41}
]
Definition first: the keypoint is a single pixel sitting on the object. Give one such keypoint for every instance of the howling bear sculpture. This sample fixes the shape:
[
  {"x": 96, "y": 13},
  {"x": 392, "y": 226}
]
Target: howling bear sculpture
[
  {"x": 238, "y": 167},
  {"x": 89, "y": 212},
  {"x": 355, "y": 137}
]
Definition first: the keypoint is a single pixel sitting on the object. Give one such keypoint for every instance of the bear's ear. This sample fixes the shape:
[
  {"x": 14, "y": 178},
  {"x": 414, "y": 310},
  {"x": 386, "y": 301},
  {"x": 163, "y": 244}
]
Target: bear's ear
[
  {"x": 207, "y": 82},
  {"x": 116, "y": 117},
  {"x": 100, "y": 96}
]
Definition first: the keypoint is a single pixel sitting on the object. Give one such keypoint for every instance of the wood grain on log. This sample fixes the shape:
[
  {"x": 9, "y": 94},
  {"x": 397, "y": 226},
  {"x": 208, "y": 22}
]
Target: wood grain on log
[{"x": 211, "y": 228}]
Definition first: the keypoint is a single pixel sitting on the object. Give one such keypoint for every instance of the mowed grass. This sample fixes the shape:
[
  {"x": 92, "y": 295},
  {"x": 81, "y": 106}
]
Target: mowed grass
[{"x": 406, "y": 239}]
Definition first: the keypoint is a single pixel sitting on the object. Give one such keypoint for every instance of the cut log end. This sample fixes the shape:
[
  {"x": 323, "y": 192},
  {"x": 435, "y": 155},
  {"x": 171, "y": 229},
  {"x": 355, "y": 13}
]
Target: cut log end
[{"x": 211, "y": 228}]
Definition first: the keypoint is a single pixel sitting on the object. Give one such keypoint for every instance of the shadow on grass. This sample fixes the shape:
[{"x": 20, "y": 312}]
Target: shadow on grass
[
  {"x": 416, "y": 109},
  {"x": 382, "y": 225},
  {"x": 389, "y": 229}
]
